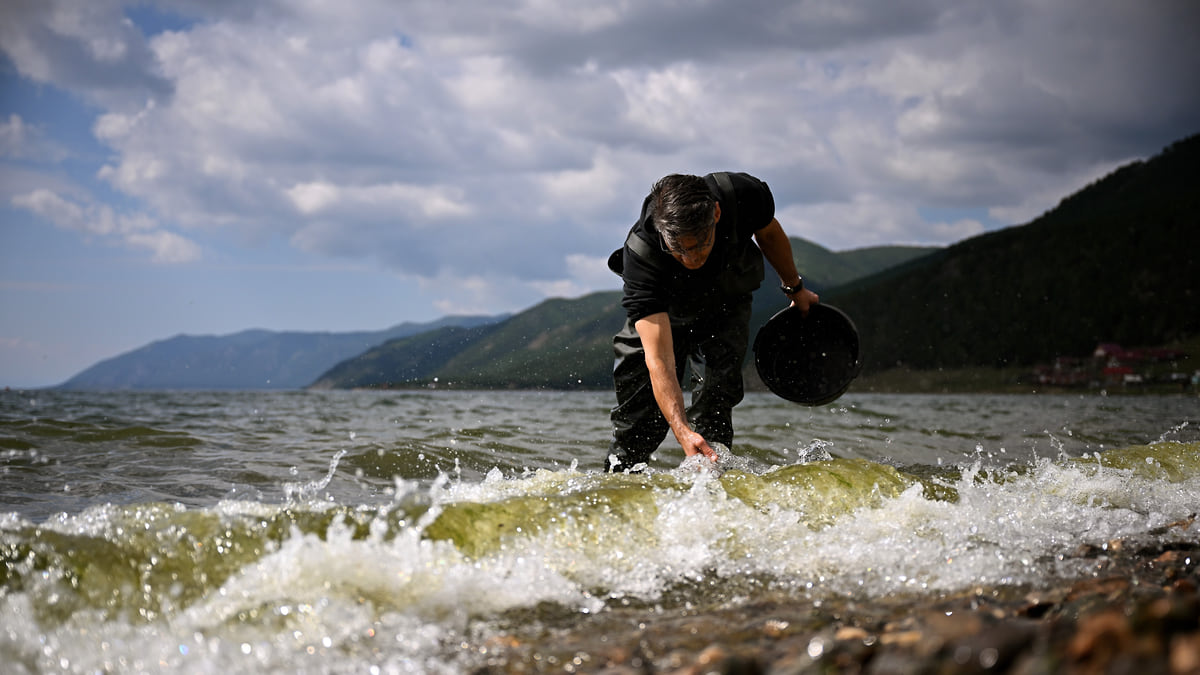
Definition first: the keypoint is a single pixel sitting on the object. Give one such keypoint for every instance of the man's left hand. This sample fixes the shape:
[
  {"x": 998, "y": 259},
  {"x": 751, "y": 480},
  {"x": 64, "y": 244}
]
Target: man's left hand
[{"x": 804, "y": 299}]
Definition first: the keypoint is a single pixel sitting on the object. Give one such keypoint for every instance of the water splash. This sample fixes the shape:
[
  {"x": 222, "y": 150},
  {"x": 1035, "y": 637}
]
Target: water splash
[
  {"x": 816, "y": 451},
  {"x": 303, "y": 492},
  {"x": 1176, "y": 432}
]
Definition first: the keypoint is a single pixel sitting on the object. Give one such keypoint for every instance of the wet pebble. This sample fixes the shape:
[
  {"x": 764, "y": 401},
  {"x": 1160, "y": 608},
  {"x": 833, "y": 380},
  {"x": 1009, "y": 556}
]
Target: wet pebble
[{"x": 1140, "y": 613}]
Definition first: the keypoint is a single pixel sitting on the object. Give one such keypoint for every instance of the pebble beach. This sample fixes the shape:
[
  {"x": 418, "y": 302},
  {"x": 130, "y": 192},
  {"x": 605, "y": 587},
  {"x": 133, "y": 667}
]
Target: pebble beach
[{"x": 1138, "y": 612}]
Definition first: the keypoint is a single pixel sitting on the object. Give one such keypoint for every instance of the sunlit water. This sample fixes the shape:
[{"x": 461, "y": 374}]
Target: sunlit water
[{"x": 405, "y": 531}]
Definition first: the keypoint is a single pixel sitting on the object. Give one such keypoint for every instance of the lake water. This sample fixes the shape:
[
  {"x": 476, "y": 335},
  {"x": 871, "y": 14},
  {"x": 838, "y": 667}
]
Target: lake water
[{"x": 241, "y": 532}]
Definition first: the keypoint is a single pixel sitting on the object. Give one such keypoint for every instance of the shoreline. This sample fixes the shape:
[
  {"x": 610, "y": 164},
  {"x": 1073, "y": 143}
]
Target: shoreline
[{"x": 1137, "y": 612}]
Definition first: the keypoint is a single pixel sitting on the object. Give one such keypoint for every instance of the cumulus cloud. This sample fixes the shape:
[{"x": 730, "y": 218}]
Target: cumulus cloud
[
  {"x": 102, "y": 222},
  {"x": 476, "y": 144},
  {"x": 21, "y": 140},
  {"x": 89, "y": 48}
]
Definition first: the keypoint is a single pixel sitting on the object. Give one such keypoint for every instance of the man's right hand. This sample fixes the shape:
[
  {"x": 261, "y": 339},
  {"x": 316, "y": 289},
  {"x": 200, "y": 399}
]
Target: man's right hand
[
  {"x": 655, "y": 331},
  {"x": 694, "y": 444}
]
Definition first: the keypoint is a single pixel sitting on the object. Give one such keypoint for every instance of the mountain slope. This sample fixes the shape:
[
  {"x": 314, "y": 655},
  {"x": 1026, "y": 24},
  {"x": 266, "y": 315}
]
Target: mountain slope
[
  {"x": 824, "y": 269},
  {"x": 1115, "y": 262},
  {"x": 557, "y": 344},
  {"x": 253, "y": 359}
]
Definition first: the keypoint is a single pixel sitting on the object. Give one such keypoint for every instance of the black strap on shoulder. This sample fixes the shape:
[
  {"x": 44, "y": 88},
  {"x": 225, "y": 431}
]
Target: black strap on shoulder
[
  {"x": 634, "y": 242},
  {"x": 729, "y": 206},
  {"x": 639, "y": 245}
]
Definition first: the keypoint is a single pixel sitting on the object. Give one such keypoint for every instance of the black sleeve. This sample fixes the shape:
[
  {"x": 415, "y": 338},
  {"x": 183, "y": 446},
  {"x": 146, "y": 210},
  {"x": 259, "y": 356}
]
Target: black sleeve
[
  {"x": 644, "y": 292},
  {"x": 756, "y": 204}
]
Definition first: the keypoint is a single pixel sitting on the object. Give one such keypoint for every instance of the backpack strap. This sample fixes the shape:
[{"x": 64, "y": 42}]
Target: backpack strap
[
  {"x": 729, "y": 206},
  {"x": 639, "y": 245},
  {"x": 635, "y": 242}
]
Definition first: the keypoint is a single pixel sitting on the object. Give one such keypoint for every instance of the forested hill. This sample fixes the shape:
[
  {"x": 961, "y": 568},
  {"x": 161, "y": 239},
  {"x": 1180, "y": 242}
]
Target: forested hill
[
  {"x": 1115, "y": 262},
  {"x": 563, "y": 344}
]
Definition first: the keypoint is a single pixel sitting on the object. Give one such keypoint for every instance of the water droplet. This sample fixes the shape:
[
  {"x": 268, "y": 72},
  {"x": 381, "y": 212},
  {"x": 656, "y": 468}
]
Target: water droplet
[{"x": 816, "y": 647}]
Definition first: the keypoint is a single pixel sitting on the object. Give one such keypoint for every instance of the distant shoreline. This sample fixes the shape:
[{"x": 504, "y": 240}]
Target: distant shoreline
[
  {"x": 995, "y": 381},
  {"x": 895, "y": 381}
]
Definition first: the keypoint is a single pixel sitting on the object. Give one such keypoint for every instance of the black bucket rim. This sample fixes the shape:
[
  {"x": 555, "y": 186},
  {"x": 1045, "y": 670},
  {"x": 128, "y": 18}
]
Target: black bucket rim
[{"x": 811, "y": 360}]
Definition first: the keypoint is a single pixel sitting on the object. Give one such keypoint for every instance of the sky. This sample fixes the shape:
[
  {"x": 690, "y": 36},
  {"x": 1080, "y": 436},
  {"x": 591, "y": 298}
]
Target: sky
[{"x": 208, "y": 166}]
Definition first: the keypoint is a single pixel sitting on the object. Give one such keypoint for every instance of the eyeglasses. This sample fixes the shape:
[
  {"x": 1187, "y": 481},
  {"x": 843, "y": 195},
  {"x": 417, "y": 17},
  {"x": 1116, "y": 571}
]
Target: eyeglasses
[{"x": 690, "y": 250}]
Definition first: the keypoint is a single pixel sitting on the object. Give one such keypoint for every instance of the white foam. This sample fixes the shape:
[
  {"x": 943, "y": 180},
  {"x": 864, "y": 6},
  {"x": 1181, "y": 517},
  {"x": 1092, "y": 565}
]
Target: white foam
[
  {"x": 1002, "y": 529},
  {"x": 396, "y": 600}
]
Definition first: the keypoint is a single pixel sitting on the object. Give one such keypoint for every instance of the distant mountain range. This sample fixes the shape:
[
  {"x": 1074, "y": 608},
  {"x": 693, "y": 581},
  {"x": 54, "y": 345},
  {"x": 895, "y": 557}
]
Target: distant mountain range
[
  {"x": 1115, "y": 262},
  {"x": 558, "y": 343},
  {"x": 252, "y": 359}
]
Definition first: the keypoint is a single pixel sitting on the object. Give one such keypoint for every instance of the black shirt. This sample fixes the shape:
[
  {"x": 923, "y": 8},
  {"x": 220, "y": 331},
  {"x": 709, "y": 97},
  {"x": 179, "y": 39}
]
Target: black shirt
[{"x": 659, "y": 283}]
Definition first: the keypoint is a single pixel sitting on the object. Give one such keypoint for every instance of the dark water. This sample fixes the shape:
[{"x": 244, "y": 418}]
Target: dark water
[{"x": 407, "y": 531}]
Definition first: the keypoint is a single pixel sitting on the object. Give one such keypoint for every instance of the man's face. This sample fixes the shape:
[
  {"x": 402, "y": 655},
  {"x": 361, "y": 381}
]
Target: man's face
[{"x": 693, "y": 252}]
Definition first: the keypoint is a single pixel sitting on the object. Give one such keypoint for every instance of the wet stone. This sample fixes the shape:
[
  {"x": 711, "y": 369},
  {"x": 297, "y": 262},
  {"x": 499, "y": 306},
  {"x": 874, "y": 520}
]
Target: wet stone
[{"x": 1140, "y": 614}]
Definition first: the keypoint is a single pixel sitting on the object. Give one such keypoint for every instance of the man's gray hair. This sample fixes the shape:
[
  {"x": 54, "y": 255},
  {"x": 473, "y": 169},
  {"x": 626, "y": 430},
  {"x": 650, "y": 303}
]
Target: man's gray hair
[{"x": 683, "y": 207}]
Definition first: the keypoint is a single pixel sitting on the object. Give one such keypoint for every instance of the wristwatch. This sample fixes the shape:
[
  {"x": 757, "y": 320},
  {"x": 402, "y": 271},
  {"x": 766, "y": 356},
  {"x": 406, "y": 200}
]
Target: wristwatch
[{"x": 792, "y": 290}]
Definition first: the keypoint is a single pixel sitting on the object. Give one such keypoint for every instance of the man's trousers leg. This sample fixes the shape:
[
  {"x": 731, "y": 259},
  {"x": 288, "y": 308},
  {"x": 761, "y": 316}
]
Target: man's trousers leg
[
  {"x": 718, "y": 358},
  {"x": 638, "y": 425}
]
